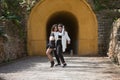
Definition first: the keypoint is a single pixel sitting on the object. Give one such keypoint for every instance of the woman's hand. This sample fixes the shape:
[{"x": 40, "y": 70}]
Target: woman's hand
[{"x": 51, "y": 38}]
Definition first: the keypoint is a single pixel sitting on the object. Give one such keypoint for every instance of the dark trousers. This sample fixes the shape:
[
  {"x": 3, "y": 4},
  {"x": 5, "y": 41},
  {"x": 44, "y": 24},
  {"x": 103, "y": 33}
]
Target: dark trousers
[
  {"x": 60, "y": 53},
  {"x": 56, "y": 56}
]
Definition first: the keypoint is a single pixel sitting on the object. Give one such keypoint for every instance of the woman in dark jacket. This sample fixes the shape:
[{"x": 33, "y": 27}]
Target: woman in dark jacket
[{"x": 51, "y": 45}]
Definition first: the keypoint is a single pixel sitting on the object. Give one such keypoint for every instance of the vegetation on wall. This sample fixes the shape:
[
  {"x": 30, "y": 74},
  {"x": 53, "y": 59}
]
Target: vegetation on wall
[
  {"x": 109, "y": 6},
  {"x": 12, "y": 11},
  {"x": 98, "y": 5},
  {"x": 106, "y": 4},
  {"x": 16, "y": 12},
  {"x": 13, "y": 28}
]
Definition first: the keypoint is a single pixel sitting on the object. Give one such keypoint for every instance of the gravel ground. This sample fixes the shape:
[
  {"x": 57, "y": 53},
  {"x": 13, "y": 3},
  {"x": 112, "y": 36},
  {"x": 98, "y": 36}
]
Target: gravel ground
[{"x": 78, "y": 68}]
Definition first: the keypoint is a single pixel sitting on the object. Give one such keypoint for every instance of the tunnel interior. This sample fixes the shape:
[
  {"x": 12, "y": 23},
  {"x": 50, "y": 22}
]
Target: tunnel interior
[{"x": 71, "y": 26}]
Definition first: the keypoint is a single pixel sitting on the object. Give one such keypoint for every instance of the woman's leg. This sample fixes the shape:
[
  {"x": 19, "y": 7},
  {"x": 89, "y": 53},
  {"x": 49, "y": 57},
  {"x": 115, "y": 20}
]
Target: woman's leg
[{"x": 48, "y": 53}]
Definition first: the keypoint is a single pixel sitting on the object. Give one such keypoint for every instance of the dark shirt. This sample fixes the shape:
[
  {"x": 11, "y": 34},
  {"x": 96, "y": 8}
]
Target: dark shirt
[{"x": 59, "y": 36}]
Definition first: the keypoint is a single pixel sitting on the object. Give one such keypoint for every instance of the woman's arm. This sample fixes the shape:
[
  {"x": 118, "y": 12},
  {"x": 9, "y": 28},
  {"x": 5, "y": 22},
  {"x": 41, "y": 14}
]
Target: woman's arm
[{"x": 52, "y": 37}]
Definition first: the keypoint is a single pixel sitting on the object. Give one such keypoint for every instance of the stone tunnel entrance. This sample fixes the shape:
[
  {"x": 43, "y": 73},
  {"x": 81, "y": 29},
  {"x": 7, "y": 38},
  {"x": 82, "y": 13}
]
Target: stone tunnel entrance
[
  {"x": 78, "y": 18},
  {"x": 71, "y": 26}
]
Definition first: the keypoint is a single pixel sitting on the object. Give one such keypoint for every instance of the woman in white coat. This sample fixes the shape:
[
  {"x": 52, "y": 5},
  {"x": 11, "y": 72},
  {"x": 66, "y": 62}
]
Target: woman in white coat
[{"x": 62, "y": 41}]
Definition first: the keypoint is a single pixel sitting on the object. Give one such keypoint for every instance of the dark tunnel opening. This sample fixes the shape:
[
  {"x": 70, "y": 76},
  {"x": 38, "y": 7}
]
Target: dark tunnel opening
[{"x": 71, "y": 26}]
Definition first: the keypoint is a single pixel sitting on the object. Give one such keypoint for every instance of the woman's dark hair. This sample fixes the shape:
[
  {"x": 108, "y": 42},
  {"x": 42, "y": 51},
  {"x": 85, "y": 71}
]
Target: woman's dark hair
[{"x": 53, "y": 27}]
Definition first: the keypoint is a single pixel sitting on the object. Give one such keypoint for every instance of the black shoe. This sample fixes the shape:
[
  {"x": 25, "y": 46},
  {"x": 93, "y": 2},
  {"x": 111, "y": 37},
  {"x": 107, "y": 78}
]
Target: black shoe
[
  {"x": 64, "y": 65},
  {"x": 52, "y": 63},
  {"x": 58, "y": 64}
]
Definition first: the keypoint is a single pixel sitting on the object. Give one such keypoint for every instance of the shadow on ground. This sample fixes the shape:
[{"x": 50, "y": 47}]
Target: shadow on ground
[
  {"x": 22, "y": 64},
  {"x": 1, "y": 78}
]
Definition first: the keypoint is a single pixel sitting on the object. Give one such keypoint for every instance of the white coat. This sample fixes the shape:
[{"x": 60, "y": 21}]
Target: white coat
[{"x": 65, "y": 38}]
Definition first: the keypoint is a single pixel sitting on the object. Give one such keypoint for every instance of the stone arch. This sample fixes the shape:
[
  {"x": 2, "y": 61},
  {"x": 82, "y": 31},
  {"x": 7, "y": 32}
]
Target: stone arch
[{"x": 83, "y": 18}]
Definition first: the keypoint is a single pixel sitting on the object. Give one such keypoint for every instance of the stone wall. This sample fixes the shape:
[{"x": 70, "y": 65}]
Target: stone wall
[
  {"x": 12, "y": 30},
  {"x": 105, "y": 16},
  {"x": 2, "y": 53},
  {"x": 11, "y": 46},
  {"x": 114, "y": 45}
]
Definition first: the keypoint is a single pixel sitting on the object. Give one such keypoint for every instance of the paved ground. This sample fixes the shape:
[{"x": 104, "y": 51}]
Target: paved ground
[{"x": 79, "y": 68}]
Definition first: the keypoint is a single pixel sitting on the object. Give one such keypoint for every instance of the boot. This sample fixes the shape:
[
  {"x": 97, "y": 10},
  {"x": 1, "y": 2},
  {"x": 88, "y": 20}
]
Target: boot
[
  {"x": 52, "y": 63},
  {"x": 64, "y": 65},
  {"x": 58, "y": 64}
]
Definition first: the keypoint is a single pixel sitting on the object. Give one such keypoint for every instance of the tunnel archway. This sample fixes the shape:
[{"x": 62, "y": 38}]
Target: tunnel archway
[
  {"x": 71, "y": 26},
  {"x": 77, "y": 12}
]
